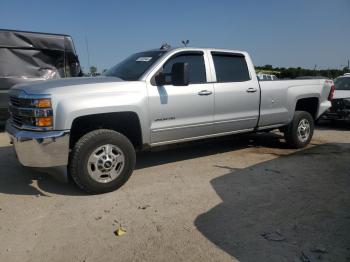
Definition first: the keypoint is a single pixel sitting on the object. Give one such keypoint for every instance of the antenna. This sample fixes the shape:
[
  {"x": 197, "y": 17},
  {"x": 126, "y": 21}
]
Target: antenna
[
  {"x": 165, "y": 46},
  {"x": 185, "y": 42},
  {"x": 87, "y": 50}
]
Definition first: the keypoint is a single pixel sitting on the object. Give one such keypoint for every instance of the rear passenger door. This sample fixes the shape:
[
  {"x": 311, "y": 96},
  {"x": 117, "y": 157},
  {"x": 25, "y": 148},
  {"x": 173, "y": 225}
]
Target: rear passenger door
[{"x": 237, "y": 94}]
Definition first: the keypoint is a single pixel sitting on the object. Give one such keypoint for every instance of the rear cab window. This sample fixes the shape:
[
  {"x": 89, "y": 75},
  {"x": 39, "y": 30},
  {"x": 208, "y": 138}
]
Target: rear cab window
[{"x": 230, "y": 67}]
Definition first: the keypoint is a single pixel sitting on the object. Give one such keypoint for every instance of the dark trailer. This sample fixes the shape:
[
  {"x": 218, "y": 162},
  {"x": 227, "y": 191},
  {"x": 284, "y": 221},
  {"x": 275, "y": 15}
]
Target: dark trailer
[{"x": 31, "y": 56}]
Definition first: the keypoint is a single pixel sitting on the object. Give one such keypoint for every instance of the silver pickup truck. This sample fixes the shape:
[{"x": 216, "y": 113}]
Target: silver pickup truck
[{"x": 90, "y": 128}]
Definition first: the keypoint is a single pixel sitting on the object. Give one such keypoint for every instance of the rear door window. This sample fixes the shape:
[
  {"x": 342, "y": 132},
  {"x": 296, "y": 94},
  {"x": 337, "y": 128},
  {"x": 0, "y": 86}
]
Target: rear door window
[{"x": 230, "y": 67}]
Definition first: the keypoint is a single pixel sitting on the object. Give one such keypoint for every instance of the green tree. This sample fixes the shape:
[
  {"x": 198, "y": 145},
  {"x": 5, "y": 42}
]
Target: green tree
[
  {"x": 93, "y": 70},
  {"x": 294, "y": 72}
]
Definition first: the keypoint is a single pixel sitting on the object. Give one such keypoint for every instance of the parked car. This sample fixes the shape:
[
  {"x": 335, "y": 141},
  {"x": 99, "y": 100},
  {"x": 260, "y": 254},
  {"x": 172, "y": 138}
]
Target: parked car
[
  {"x": 266, "y": 77},
  {"x": 30, "y": 56},
  {"x": 91, "y": 127},
  {"x": 311, "y": 77},
  {"x": 340, "y": 109}
]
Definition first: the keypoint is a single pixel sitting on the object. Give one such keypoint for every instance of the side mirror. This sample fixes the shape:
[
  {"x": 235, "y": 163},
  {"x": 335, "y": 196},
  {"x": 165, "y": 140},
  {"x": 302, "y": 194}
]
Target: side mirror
[
  {"x": 160, "y": 79},
  {"x": 179, "y": 74}
]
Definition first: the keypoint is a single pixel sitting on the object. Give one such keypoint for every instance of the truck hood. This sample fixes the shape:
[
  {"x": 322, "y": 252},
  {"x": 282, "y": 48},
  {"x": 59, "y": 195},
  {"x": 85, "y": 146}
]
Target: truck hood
[
  {"x": 70, "y": 85},
  {"x": 340, "y": 94}
]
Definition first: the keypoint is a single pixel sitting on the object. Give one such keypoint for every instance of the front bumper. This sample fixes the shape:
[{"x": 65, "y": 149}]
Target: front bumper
[{"x": 40, "y": 149}]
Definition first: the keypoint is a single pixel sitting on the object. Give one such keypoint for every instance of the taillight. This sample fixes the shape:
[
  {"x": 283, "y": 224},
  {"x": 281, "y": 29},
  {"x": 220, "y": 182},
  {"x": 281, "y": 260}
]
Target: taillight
[{"x": 331, "y": 93}]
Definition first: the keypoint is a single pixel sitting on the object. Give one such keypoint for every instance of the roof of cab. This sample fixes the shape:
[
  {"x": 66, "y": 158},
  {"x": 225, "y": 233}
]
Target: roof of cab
[
  {"x": 177, "y": 49},
  {"x": 208, "y": 49}
]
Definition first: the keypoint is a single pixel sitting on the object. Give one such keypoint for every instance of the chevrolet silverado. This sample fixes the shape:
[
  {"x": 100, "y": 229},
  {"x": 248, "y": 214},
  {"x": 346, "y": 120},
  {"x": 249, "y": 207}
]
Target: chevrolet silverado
[{"x": 90, "y": 128}]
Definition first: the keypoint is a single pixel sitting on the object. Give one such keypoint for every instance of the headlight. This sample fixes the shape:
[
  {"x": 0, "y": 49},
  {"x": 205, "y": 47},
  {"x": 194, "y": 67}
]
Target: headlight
[
  {"x": 44, "y": 121},
  {"x": 43, "y": 102},
  {"x": 43, "y": 115},
  {"x": 31, "y": 112}
]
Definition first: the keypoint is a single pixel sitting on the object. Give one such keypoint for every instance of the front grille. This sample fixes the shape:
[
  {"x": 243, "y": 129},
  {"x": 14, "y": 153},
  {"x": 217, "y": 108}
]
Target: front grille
[
  {"x": 20, "y": 112},
  {"x": 337, "y": 104},
  {"x": 340, "y": 106},
  {"x": 15, "y": 101},
  {"x": 19, "y": 102},
  {"x": 19, "y": 121}
]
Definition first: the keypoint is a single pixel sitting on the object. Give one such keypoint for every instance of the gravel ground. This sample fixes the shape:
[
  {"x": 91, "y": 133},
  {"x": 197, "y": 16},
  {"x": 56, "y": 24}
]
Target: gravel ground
[{"x": 243, "y": 198}]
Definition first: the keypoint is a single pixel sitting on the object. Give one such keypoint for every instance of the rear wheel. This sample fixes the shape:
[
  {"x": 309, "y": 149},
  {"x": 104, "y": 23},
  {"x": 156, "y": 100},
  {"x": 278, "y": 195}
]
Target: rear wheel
[
  {"x": 102, "y": 161},
  {"x": 299, "y": 132}
]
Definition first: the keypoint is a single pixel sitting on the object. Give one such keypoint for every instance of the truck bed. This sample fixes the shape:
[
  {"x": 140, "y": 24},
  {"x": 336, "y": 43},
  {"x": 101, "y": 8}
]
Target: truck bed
[{"x": 278, "y": 98}]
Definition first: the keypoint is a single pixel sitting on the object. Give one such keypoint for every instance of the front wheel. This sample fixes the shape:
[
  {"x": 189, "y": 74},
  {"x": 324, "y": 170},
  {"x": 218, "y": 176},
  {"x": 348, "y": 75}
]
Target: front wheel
[
  {"x": 299, "y": 132},
  {"x": 102, "y": 161}
]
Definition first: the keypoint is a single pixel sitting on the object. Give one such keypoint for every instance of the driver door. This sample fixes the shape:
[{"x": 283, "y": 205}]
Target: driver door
[{"x": 180, "y": 113}]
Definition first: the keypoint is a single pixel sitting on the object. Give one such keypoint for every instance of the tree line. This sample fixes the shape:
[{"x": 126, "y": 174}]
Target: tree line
[{"x": 296, "y": 72}]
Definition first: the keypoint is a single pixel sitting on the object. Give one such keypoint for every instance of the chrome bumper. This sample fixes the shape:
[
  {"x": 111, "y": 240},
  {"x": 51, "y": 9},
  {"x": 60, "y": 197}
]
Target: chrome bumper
[{"x": 40, "y": 149}]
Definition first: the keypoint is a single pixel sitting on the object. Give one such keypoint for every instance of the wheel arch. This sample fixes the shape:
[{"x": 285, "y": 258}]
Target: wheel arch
[
  {"x": 308, "y": 104},
  {"x": 126, "y": 123}
]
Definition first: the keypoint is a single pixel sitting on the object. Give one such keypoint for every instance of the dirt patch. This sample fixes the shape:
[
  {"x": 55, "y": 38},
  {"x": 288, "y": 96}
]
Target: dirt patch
[{"x": 227, "y": 199}]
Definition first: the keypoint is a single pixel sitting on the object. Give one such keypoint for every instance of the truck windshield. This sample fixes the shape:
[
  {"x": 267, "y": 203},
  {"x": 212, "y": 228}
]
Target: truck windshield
[
  {"x": 133, "y": 67},
  {"x": 342, "y": 83}
]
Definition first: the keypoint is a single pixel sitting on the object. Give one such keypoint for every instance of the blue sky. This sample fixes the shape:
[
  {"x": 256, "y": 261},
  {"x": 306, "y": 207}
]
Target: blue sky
[{"x": 277, "y": 32}]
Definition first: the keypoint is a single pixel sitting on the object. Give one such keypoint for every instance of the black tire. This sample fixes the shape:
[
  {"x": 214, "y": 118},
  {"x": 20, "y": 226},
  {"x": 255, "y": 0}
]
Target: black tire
[
  {"x": 85, "y": 146},
  {"x": 291, "y": 131}
]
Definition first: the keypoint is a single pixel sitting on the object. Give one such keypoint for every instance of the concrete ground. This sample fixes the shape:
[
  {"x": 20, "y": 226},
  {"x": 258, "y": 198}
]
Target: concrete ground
[{"x": 243, "y": 198}]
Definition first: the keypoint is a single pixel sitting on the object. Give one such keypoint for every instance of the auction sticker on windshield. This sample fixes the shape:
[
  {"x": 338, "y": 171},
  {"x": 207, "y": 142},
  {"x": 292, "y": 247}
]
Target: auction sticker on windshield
[{"x": 144, "y": 59}]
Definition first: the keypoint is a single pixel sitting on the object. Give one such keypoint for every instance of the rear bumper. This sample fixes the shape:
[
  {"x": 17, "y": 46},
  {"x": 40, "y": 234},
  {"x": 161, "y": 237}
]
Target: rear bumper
[
  {"x": 40, "y": 149},
  {"x": 337, "y": 115},
  {"x": 323, "y": 107}
]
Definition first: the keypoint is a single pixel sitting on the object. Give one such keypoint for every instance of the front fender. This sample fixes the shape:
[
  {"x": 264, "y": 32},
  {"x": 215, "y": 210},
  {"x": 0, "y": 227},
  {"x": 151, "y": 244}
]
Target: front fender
[{"x": 68, "y": 109}]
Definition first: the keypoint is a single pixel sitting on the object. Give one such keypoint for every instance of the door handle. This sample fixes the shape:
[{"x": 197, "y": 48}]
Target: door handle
[
  {"x": 205, "y": 93},
  {"x": 251, "y": 90}
]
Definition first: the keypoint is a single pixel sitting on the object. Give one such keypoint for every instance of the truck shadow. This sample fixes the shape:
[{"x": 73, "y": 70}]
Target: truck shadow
[
  {"x": 292, "y": 208},
  {"x": 202, "y": 148},
  {"x": 336, "y": 125},
  {"x": 18, "y": 180}
]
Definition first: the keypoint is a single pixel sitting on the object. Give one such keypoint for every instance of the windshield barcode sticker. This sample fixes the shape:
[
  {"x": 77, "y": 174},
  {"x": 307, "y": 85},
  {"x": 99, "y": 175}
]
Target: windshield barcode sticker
[{"x": 144, "y": 59}]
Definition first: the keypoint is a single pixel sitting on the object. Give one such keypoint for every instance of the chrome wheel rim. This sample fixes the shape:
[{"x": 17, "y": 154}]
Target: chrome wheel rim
[
  {"x": 106, "y": 163},
  {"x": 303, "y": 130}
]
